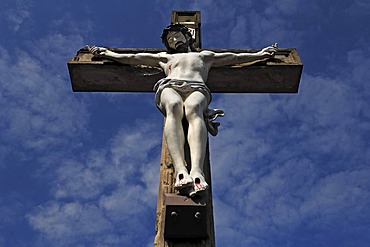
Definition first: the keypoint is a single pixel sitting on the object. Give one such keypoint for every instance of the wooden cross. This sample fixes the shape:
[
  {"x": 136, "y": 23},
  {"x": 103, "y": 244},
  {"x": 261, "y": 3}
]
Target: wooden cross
[{"x": 182, "y": 221}]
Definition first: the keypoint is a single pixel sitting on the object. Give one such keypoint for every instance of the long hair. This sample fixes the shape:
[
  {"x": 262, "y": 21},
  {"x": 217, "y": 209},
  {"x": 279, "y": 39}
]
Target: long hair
[{"x": 177, "y": 27}]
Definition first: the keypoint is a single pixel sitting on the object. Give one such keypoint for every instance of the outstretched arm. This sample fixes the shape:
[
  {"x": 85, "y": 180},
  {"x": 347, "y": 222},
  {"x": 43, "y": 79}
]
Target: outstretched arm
[
  {"x": 229, "y": 58},
  {"x": 151, "y": 59}
]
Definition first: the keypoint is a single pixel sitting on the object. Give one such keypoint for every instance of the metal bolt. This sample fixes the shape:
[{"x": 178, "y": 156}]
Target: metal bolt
[
  {"x": 197, "y": 215},
  {"x": 174, "y": 216}
]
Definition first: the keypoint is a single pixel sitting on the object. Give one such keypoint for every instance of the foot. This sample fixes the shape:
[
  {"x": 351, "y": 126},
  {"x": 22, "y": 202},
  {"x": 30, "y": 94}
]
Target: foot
[
  {"x": 200, "y": 185},
  {"x": 183, "y": 180}
]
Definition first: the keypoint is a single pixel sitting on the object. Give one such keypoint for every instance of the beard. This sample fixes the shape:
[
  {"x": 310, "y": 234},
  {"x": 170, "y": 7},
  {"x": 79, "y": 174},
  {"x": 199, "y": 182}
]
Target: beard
[{"x": 182, "y": 47}]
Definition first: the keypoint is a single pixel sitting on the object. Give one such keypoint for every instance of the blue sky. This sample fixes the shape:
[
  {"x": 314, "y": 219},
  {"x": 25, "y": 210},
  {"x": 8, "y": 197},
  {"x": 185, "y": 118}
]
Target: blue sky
[{"x": 81, "y": 169}]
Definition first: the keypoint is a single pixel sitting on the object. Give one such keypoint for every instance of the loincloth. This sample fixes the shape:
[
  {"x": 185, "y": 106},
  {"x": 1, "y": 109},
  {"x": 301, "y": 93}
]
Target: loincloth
[{"x": 184, "y": 89}]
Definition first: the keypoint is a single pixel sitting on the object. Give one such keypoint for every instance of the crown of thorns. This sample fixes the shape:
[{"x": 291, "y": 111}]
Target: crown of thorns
[{"x": 179, "y": 28}]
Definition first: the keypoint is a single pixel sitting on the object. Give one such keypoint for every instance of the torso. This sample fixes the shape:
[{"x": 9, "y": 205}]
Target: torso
[{"x": 191, "y": 66}]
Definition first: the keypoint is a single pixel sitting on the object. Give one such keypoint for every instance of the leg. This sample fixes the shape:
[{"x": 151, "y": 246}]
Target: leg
[
  {"x": 174, "y": 135},
  {"x": 195, "y": 105}
]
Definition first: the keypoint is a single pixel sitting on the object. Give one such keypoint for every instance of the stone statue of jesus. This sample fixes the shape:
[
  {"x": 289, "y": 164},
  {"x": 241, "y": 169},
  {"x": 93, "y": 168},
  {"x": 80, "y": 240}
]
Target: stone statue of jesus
[{"x": 183, "y": 92}]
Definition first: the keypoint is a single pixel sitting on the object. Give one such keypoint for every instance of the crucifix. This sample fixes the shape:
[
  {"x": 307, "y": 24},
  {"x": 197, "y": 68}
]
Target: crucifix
[{"x": 183, "y": 77}]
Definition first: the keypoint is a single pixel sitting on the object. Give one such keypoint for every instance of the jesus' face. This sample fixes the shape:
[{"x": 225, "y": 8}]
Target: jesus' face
[{"x": 177, "y": 41}]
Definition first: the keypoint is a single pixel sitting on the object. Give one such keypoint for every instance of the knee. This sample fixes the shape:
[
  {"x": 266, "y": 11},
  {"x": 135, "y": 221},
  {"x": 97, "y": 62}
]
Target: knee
[
  {"x": 194, "y": 110},
  {"x": 174, "y": 107}
]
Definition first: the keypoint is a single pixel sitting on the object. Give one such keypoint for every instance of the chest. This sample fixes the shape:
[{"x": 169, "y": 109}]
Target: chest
[{"x": 190, "y": 61}]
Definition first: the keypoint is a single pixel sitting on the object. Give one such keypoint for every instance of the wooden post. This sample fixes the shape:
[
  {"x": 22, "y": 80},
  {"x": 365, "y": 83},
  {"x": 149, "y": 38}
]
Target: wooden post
[{"x": 166, "y": 189}]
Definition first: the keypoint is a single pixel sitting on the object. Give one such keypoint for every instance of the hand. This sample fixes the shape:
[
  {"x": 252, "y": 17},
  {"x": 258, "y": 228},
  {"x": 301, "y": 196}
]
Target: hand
[
  {"x": 97, "y": 51},
  {"x": 270, "y": 51}
]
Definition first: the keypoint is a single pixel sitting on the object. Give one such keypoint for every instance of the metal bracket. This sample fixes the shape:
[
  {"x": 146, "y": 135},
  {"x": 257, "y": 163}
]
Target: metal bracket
[{"x": 185, "y": 219}]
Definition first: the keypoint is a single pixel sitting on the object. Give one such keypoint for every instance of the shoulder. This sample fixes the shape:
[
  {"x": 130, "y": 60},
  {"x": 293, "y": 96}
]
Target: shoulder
[
  {"x": 163, "y": 54},
  {"x": 207, "y": 53},
  {"x": 207, "y": 56}
]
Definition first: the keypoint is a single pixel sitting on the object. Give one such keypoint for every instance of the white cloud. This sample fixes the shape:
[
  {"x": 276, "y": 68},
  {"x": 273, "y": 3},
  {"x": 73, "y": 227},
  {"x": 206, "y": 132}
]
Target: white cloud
[
  {"x": 36, "y": 106},
  {"x": 359, "y": 6},
  {"x": 237, "y": 39},
  {"x": 112, "y": 192},
  {"x": 338, "y": 193},
  {"x": 288, "y": 164},
  {"x": 56, "y": 48},
  {"x": 77, "y": 181},
  {"x": 126, "y": 203},
  {"x": 125, "y": 144},
  {"x": 67, "y": 24},
  {"x": 248, "y": 24},
  {"x": 92, "y": 194},
  {"x": 17, "y": 16},
  {"x": 62, "y": 222}
]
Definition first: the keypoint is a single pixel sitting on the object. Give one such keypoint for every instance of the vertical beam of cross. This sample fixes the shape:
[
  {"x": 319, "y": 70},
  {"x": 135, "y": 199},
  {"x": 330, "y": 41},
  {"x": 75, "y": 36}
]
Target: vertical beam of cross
[{"x": 166, "y": 192}]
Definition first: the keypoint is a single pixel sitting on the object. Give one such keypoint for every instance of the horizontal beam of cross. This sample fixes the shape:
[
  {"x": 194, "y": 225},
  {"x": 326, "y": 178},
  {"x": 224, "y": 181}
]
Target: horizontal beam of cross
[{"x": 278, "y": 75}]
